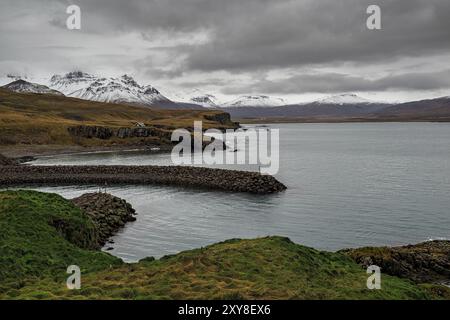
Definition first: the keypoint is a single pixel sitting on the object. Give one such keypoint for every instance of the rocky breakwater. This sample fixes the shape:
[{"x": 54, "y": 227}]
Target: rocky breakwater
[
  {"x": 4, "y": 161},
  {"x": 423, "y": 263},
  {"x": 108, "y": 213},
  {"x": 190, "y": 177}
]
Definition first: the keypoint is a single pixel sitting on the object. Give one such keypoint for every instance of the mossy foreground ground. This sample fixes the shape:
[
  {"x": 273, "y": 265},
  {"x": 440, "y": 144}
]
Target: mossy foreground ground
[{"x": 42, "y": 234}]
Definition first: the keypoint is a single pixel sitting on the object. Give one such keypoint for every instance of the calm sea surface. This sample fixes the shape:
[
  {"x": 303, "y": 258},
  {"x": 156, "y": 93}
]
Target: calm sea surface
[{"x": 349, "y": 185}]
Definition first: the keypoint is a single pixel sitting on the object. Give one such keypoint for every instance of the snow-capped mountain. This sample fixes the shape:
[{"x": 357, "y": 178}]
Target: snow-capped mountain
[
  {"x": 194, "y": 96},
  {"x": 255, "y": 101},
  {"x": 123, "y": 89},
  {"x": 346, "y": 98},
  {"x": 8, "y": 78},
  {"x": 23, "y": 86},
  {"x": 206, "y": 100},
  {"x": 72, "y": 81},
  {"x": 338, "y": 106}
]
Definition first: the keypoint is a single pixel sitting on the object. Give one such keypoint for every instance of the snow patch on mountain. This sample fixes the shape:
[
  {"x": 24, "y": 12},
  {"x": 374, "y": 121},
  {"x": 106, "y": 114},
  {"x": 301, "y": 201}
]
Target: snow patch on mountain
[
  {"x": 10, "y": 77},
  {"x": 194, "y": 96},
  {"x": 342, "y": 99},
  {"x": 206, "y": 100},
  {"x": 255, "y": 101},
  {"x": 72, "y": 81}
]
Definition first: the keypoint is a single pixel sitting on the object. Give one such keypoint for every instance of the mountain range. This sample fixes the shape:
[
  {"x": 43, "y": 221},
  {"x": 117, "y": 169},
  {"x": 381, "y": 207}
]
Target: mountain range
[
  {"x": 126, "y": 90},
  {"x": 123, "y": 89}
]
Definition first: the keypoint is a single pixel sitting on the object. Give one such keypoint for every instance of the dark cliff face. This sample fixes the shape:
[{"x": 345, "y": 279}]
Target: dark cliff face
[
  {"x": 91, "y": 132},
  {"x": 160, "y": 136},
  {"x": 105, "y": 133},
  {"x": 223, "y": 118}
]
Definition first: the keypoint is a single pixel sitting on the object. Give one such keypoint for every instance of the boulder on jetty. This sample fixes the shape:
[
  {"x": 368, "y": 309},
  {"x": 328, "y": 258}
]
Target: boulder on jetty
[
  {"x": 180, "y": 176},
  {"x": 108, "y": 213},
  {"x": 422, "y": 263},
  {"x": 4, "y": 161}
]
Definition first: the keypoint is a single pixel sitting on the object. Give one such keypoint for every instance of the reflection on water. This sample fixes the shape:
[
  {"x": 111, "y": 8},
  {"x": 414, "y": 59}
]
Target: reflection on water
[{"x": 349, "y": 185}]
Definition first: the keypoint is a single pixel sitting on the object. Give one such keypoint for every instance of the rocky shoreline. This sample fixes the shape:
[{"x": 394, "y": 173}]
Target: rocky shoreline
[
  {"x": 79, "y": 227},
  {"x": 427, "y": 262},
  {"x": 191, "y": 177}
]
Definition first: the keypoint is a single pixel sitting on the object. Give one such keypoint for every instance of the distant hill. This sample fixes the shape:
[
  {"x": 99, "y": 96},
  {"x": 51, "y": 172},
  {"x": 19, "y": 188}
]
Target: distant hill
[
  {"x": 306, "y": 110},
  {"x": 349, "y": 108},
  {"x": 344, "y": 99},
  {"x": 434, "y": 109},
  {"x": 23, "y": 86},
  {"x": 335, "y": 106}
]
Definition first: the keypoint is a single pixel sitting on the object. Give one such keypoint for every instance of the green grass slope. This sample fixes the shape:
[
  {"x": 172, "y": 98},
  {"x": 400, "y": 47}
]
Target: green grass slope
[
  {"x": 41, "y": 235},
  {"x": 35, "y": 251}
]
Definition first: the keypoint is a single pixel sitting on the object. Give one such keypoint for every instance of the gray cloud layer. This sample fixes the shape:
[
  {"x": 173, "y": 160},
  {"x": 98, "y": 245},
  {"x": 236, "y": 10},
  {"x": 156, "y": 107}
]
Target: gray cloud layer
[
  {"x": 335, "y": 83},
  {"x": 263, "y": 33},
  {"x": 244, "y": 37}
]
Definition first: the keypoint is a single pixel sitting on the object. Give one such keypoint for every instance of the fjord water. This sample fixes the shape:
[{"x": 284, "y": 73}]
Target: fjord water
[{"x": 349, "y": 185}]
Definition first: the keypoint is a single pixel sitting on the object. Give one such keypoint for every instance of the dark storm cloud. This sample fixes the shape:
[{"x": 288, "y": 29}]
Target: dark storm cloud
[
  {"x": 335, "y": 83},
  {"x": 333, "y": 31},
  {"x": 253, "y": 34}
]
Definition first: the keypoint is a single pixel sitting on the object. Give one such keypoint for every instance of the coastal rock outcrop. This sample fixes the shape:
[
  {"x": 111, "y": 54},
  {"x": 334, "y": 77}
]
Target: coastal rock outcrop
[
  {"x": 105, "y": 133},
  {"x": 91, "y": 132},
  {"x": 222, "y": 118},
  {"x": 422, "y": 263},
  {"x": 109, "y": 213}
]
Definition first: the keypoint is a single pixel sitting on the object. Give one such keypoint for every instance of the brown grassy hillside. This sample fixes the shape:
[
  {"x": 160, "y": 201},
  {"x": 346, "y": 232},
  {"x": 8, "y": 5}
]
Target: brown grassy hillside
[{"x": 43, "y": 120}]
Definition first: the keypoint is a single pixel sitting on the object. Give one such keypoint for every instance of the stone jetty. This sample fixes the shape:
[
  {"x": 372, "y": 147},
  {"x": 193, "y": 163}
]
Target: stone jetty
[
  {"x": 4, "y": 161},
  {"x": 181, "y": 176}
]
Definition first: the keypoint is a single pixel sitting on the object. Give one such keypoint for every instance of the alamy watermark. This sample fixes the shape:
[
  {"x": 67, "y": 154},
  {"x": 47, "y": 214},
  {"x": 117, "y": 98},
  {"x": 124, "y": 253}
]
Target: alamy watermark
[
  {"x": 73, "y": 22},
  {"x": 74, "y": 280},
  {"x": 374, "y": 20},
  {"x": 374, "y": 280},
  {"x": 254, "y": 146}
]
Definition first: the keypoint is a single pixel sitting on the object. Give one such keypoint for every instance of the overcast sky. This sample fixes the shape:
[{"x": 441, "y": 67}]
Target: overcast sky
[{"x": 295, "y": 49}]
